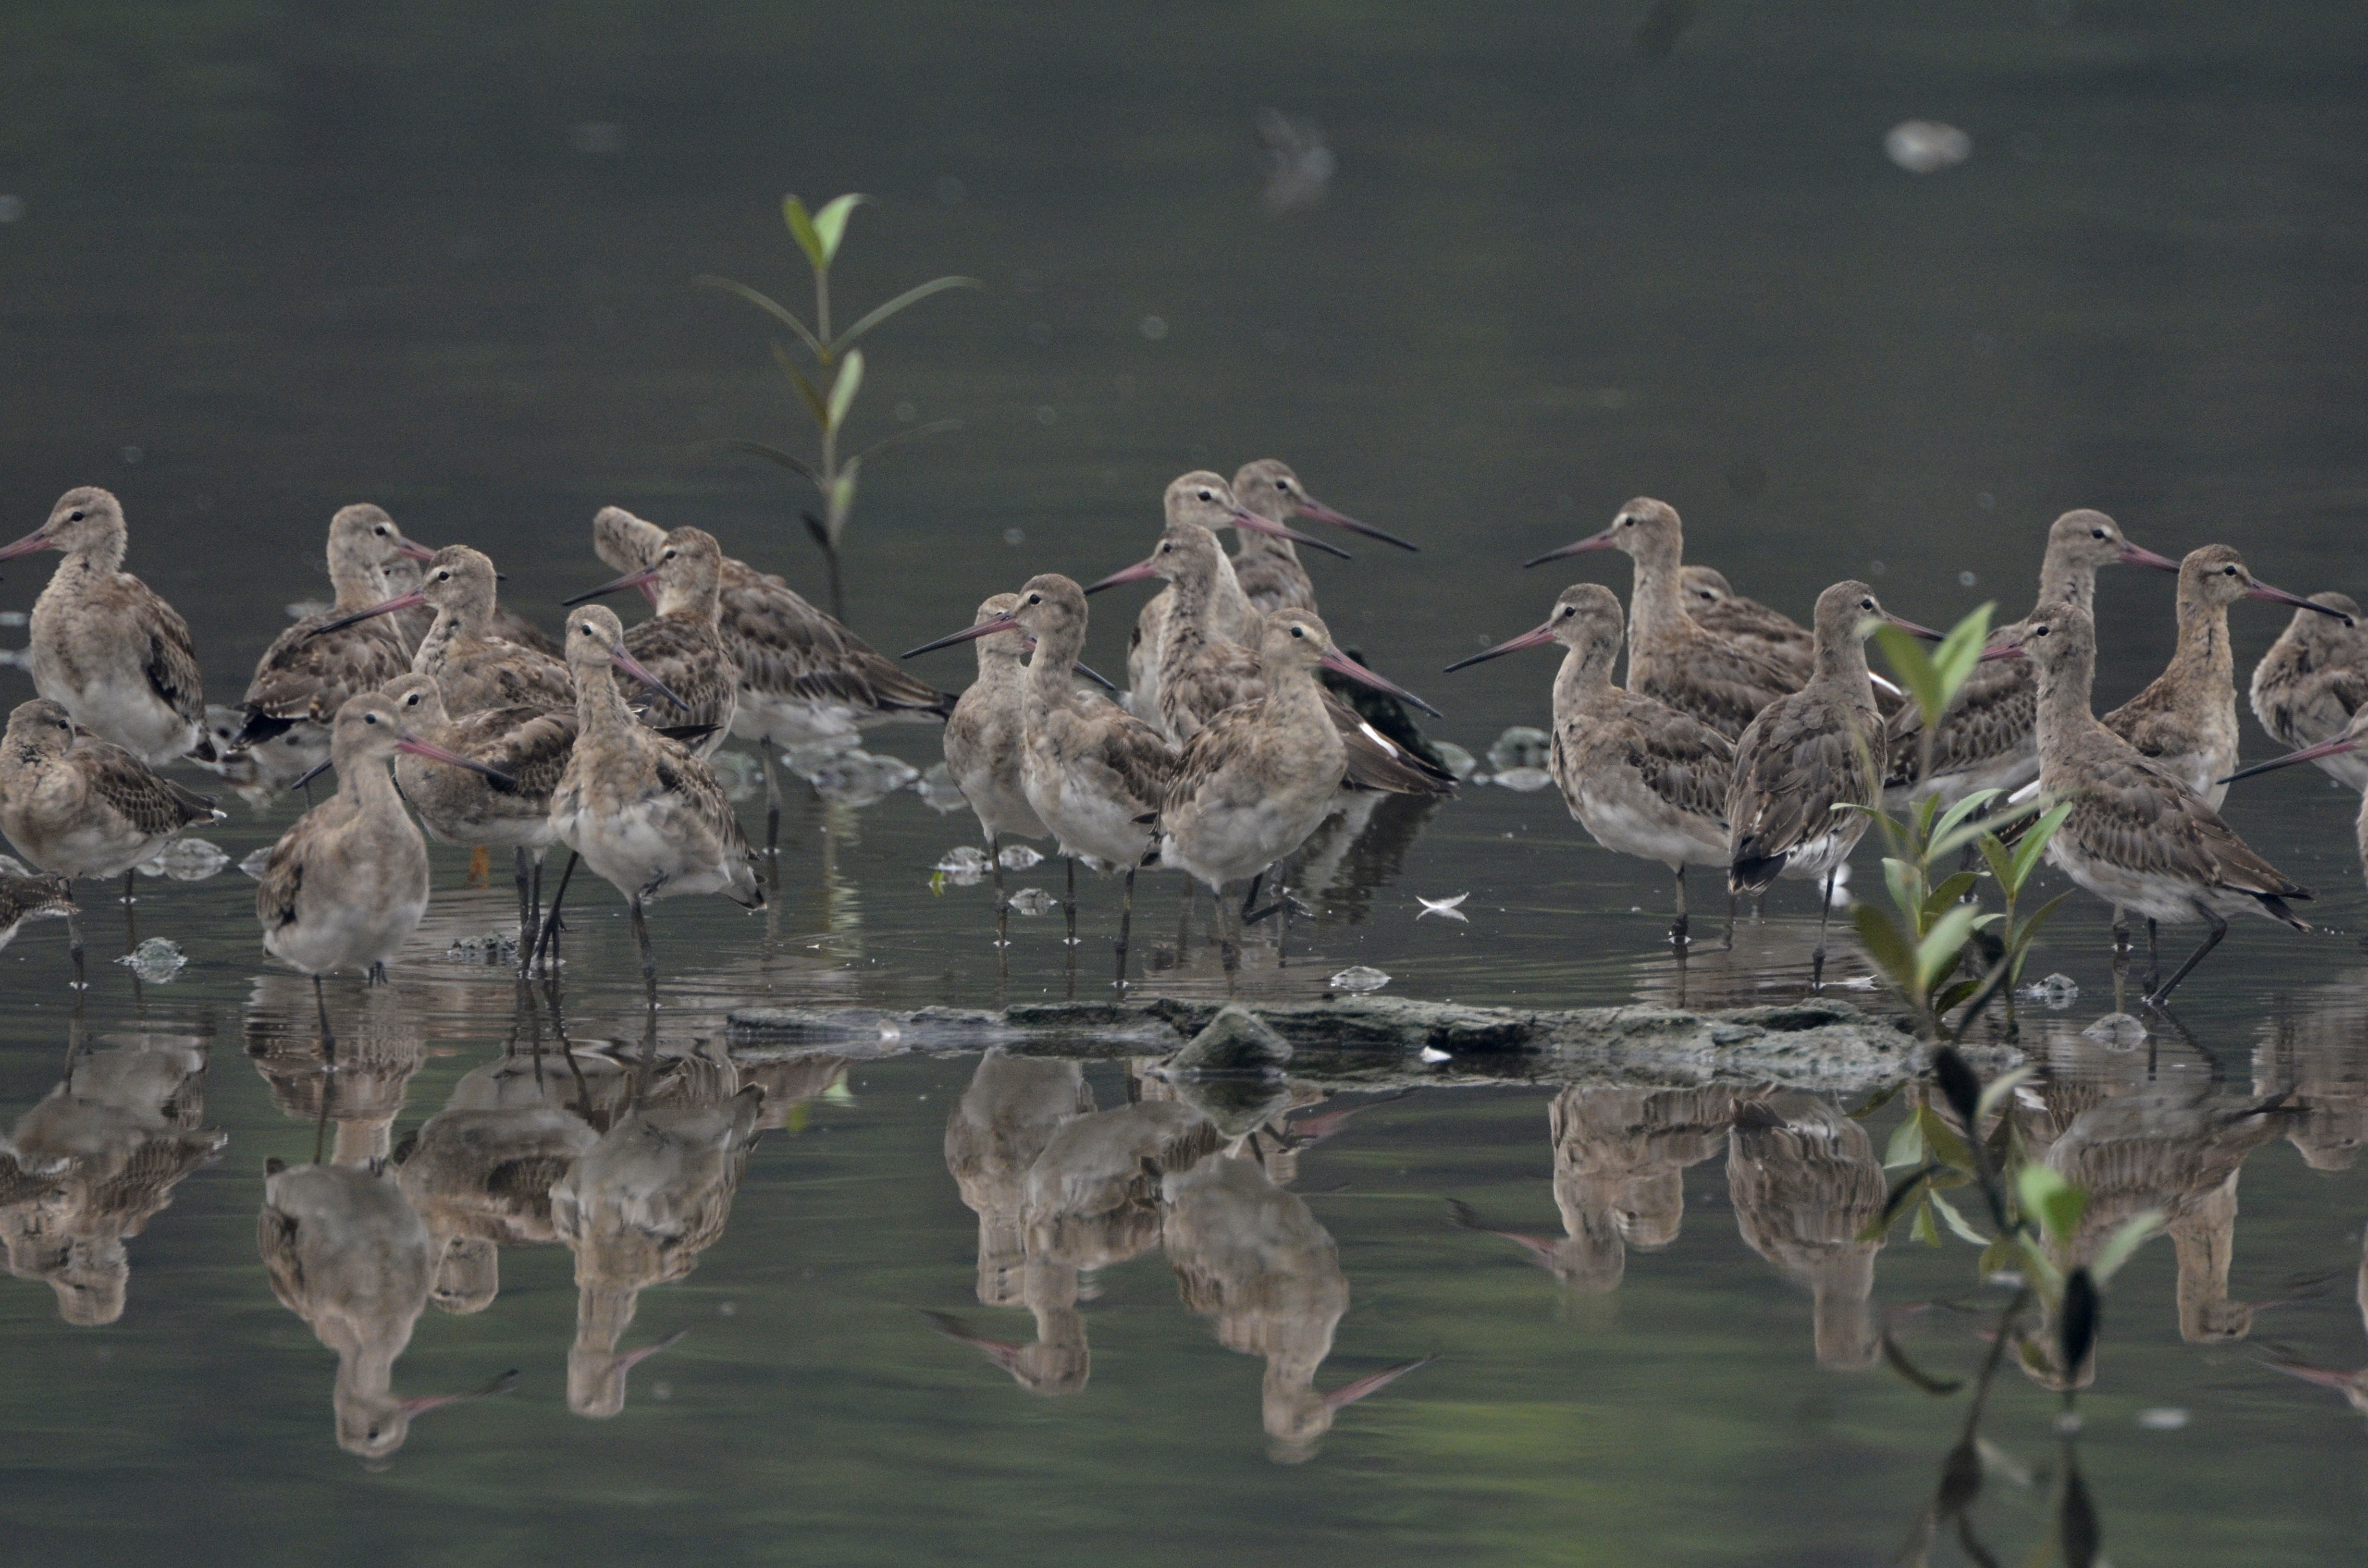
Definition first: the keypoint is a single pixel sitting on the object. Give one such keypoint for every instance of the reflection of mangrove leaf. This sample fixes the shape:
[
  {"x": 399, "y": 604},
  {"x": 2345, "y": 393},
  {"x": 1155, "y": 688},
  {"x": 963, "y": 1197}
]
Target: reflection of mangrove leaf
[
  {"x": 1896, "y": 1360},
  {"x": 2055, "y": 1203},
  {"x": 1956, "y": 1222},
  {"x": 1906, "y": 1145},
  {"x": 1995, "y": 1092},
  {"x": 2078, "y": 1320},
  {"x": 2123, "y": 1245},
  {"x": 1942, "y": 1140}
]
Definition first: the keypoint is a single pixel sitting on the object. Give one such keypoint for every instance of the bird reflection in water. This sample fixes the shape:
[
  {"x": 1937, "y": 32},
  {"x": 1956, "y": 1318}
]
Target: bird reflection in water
[
  {"x": 380, "y": 1047},
  {"x": 99, "y": 1157},
  {"x": 1621, "y": 1153},
  {"x": 1804, "y": 1181},
  {"x": 2310, "y": 1052},
  {"x": 1063, "y": 1191},
  {"x": 347, "y": 1254}
]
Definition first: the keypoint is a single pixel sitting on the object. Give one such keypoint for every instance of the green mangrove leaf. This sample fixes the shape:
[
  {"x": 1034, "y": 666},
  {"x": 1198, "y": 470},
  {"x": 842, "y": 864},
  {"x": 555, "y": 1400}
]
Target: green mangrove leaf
[
  {"x": 802, "y": 228},
  {"x": 1953, "y": 659},
  {"x": 1896, "y": 1360},
  {"x": 796, "y": 465},
  {"x": 1995, "y": 1092},
  {"x": 1947, "y": 1147},
  {"x": 1939, "y": 952},
  {"x": 843, "y": 390},
  {"x": 910, "y": 433},
  {"x": 909, "y": 297},
  {"x": 1886, "y": 944},
  {"x": 1923, "y": 1230},
  {"x": 830, "y": 224},
  {"x": 1906, "y": 1145},
  {"x": 1907, "y": 887},
  {"x": 1912, "y": 668},
  {"x": 1951, "y": 891},
  {"x": 807, "y": 391},
  {"x": 779, "y": 312},
  {"x": 842, "y": 497},
  {"x": 1957, "y": 813},
  {"x": 2055, "y": 1203},
  {"x": 2001, "y": 859},
  {"x": 2039, "y": 1269},
  {"x": 2034, "y": 843}
]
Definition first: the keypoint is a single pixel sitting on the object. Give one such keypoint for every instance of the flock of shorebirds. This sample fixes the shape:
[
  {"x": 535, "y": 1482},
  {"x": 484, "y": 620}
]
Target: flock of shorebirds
[{"x": 1741, "y": 740}]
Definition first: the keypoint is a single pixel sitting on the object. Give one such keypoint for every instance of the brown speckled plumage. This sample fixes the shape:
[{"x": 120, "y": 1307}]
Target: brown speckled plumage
[
  {"x": 78, "y": 806},
  {"x": 1819, "y": 748},
  {"x": 2312, "y": 682}
]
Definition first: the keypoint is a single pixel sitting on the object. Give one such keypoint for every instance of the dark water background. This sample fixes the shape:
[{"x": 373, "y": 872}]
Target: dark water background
[{"x": 266, "y": 259}]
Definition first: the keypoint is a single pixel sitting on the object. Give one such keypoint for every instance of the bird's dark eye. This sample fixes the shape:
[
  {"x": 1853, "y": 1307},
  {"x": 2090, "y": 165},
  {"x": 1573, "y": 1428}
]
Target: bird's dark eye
[
  {"x": 1299, "y": 632},
  {"x": 2098, "y": 533},
  {"x": 2227, "y": 571},
  {"x": 1206, "y": 496},
  {"x": 1627, "y": 522},
  {"x": 1035, "y": 599},
  {"x": 379, "y": 530},
  {"x": 75, "y": 518},
  {"x": 369, "y": 718},
  {"x": 669, "y": 555},
  {"x": 1866, "y": 603},
  {"x": 2041, "y": 632}
]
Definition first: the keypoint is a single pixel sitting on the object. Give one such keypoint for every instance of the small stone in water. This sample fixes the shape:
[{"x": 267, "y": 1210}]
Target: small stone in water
[
  {"x": 859, "y": 778},
  {"x": 1461, "y": 763},
  {"x": 2116, "y": 1031},
  {"x": 253, "y": 865},
  {"x": 186, "y": 860},
  {"x": 1926, "y": 146},
  {"x": 963, "y": 860},
  {"x": 2163, "y": 1419},
  {"x": 1033, "y": 901},
  {"x": 2058, "y": 991},
  {"x": 1020, "y": 857},
  {"x": 1358, "y": 977},
  {"x": 494, "y": 947},
  {"x": 1432, "y": 1053},
  {"x": 1521, "y": 746},
  {"x": 1523, "y": 778},
  {"x": 940, "y": 791},
  {"x": 741, "y": 775},
  {"x": 156, "y": 961}
]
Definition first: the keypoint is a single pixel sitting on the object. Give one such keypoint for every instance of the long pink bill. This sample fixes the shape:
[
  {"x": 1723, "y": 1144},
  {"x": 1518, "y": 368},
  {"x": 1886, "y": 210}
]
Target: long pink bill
[
  {"x": 1591, "y": 542},
  {"x": 1537, "y": 638},
  {"x": 1246, "y": 518},
  {"x": 641, "y": 579},
  {"x": 1134, "y": 574},
  {"x": 2260, "y": 590},
  {"x": 1921, "y": 634},
  {"x": 634, "y": 667},
  {"x": 2003, "y": 650},
  {"x": 2335, "y": 747},
  {"x": 2325, "y": 1377},
  {"x": 1316, "y": 512},
  {"x": 411, "y": 550},
  {"x": 1340, "y": 662},
  {"x": 2132, "y": 555},
  {"x": 633, "y": 1359},
  {"x": 411, "y": 600},
  {"x": 967, "y": 634},
  {"x": 412, "y": 1407},
  {"x": 37, "y": 539},
  {"x": 435, "y": 753},
  {"x": 1002, "y": 1352},
  {"x": 1350, "y": 1394}
]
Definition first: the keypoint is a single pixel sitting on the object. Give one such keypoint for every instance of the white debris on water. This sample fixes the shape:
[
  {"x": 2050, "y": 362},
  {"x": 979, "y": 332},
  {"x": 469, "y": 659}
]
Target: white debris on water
[
  {"x": 1033, "y": 901},
  {"x": 155, "y": 961},
  {"x": 2059, "y": 991},
  {"x": 2116, "y": 1031},
  {"x": 860, "y": 779},
  {"x": 1926, "y": 146},
  {"x": 1020, "y": 857},
  {"x": 1432, "y": 1054},
  {"x": 1359, "y": 978},
  {"x": 962, "y": 862},
  {"x": 1523, "y": 779},
  {"x": 186, "y": 860},
  {"x": 1446, "y": 908},
  {"x": 1523, "y": 746},
  {"x": 2163, "y": 1419},
  {"x": 940, "y": 791}
]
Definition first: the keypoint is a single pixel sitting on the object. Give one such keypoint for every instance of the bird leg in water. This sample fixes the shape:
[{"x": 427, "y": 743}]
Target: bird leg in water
[
  {"x": 530, "y": 934},
  {"x": 131, "y": 920},
  {"x": 1678, "y": 926},
  {"x": 2154, "y": 958},
  {"x": 1728, "y": 946},
  {"x": 1825, "y": 912},
  {"x": 773, "y": 802},
  {"x": 1069, "y": 904},
  {"x": 2219, "y": 929},
  {"x": 649, "y": 958},
  {"x": 526, "y": 917},
  {"x": 1250, "y": 899},
  {"x": 73, "y": 938},
  {"x": 550, "y": 922},
  {"x": 1125, "y": 925},
  {"x": 994, "y": 863}
]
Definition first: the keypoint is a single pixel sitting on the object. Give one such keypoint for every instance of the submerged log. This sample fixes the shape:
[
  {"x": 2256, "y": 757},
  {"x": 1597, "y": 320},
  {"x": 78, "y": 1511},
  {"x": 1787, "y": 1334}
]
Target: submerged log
[{"x": 1381, "y": 1040}]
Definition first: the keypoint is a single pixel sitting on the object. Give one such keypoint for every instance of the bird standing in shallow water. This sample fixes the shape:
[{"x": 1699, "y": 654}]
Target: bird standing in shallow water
[
  {"x": 2314, "y": 681},
  {"x": 642, "y": 812},
  {"x": 105, "y": 647},
  {"x": 1642, "y": 778},
  {"x": 1809, "y": 759},
  {"x": 78, "y": 806},
  {"x": 683, "y": 643},
  {"x": 2348, "y": 746},
  {"x": 1672, "y": 657},
  {"x": 2137, "y": 836},
  {"x": 2186, "y": 720},
  {"x": 344, "y": 887},
  {"x": 984, "y": 736},
  {"x": 305, "y": 676}
]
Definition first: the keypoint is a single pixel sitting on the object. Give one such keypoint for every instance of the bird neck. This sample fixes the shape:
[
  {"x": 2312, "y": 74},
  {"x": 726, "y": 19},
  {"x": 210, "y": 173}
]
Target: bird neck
[
  {"x": 599, "y": 706},
  {"x": 2203, "y": 636},
  {"x": 1052, "y": 669},
  {"x": 2063, "y": 581},
  {"x": 700, "y": 605},
  {"x": 368, "y": 785},
  {"x": 1293, "y": 695},
  {"x": 1586, "y": 673},
  {"x": 2064, "y": 704},
  {"x": 1658, "y": 601},
  {"x": 1231, "y": 614},
  {"x": 358, "y": 583},
  {"x": 103, "y": 554},
  {"x": 1841, "y": 665}
]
